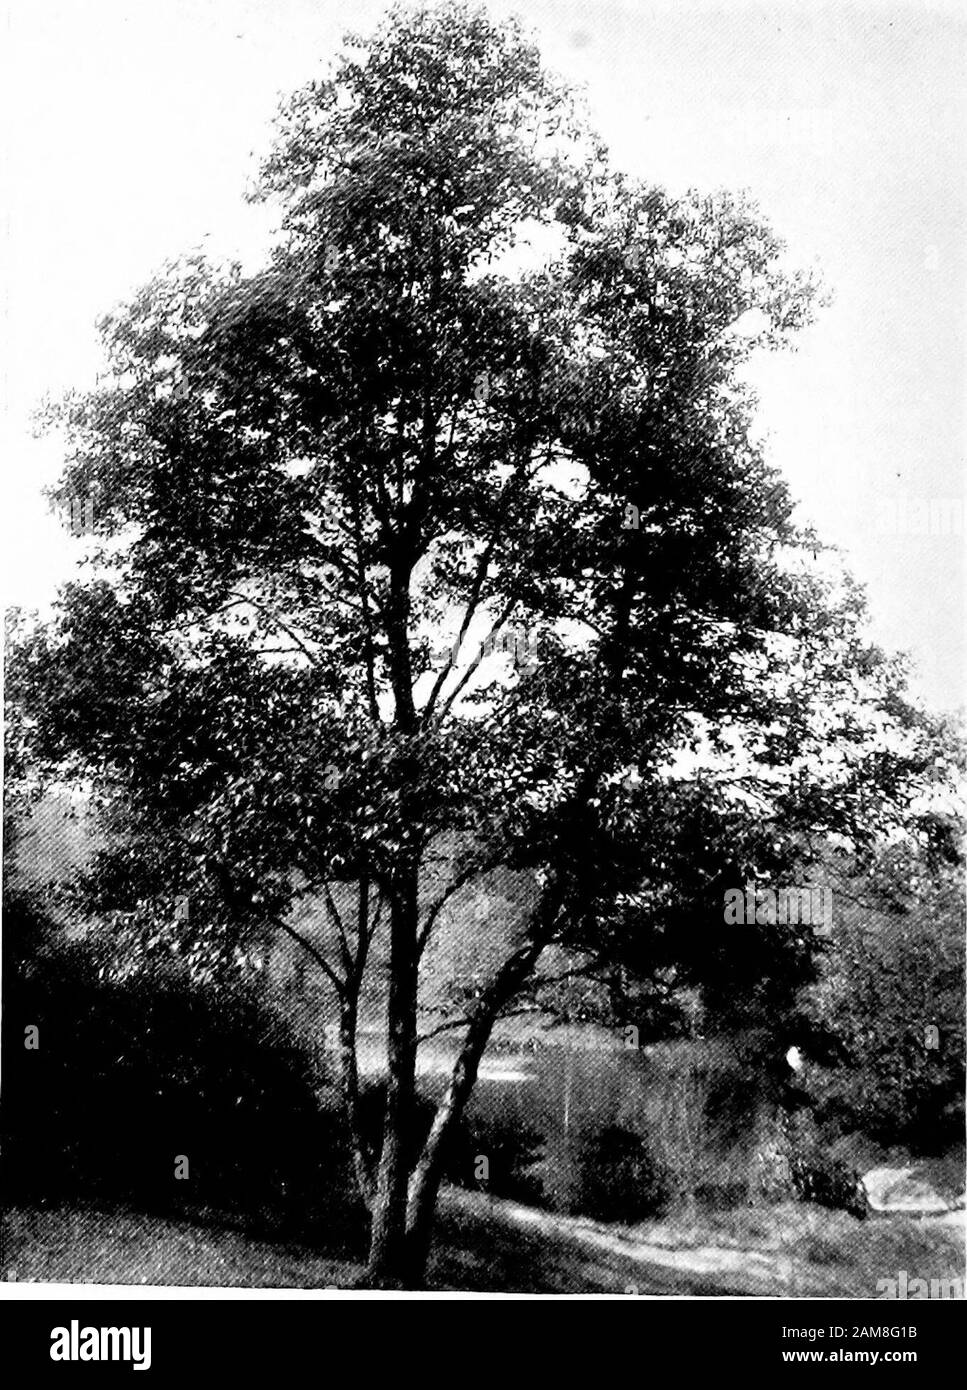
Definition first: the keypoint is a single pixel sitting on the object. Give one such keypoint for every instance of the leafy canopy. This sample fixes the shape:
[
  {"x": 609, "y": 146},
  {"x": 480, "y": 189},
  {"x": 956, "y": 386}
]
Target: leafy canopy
[{"x": 485, "y": 390}]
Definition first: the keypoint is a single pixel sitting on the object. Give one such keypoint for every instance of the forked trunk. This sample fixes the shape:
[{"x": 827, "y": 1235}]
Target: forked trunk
[{"x": 424, "y": 1184}]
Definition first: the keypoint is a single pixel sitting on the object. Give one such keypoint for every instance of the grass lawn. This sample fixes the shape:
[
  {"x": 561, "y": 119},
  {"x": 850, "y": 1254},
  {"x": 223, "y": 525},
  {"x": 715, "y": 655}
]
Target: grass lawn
[
  {"x": 489, "y": 1245},
  {"x": 82, "y": 1245}
]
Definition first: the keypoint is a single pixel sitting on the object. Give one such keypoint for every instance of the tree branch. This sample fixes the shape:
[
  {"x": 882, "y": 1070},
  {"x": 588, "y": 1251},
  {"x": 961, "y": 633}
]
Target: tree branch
[
  {"x": 463, "y": 1022},
  {"x": 338, "y": 985},
  {"x": 462, "y": 878},
  {"x": 333, "y": 911},
  {"x": 468, "y": 674},
  {"x": 261, "y": 607},
  {"x": 477, "y": 586}
]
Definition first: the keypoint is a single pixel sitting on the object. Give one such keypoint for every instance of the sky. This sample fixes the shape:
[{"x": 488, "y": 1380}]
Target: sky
[{"x": 133, "y": 130}]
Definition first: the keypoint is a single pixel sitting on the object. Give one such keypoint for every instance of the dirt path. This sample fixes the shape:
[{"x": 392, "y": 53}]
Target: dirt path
[
  {"x": 486, "y": 1245},
  {"x": 489, "y": 1242},
  {"x": 483, "y": 1244}
]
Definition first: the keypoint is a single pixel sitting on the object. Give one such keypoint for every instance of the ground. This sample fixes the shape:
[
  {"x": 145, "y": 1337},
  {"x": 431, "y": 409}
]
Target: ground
[{"x": 490, "y": 1245}]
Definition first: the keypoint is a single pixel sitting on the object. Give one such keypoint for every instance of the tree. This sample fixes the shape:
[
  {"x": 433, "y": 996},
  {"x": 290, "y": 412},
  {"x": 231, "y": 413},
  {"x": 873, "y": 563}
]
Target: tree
[
  {"x": 890, "y": 1001},
  {"x": 398, "y": 434}
]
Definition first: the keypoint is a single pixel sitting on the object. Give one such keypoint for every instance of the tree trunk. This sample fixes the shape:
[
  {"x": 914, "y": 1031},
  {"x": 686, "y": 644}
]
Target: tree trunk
[
  {"x": 387, "y": 1252},
  {"x": 387, "y": 1249},
  {"x": 424, "y": 1185},
  {"x": 348, "y": 1055},
  {"x": 349, "y": 1069}
]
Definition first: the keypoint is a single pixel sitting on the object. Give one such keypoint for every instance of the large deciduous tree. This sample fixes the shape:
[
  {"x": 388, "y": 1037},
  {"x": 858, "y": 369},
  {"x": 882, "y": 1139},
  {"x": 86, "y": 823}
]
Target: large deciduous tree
[{"x": 485, "y": 399}]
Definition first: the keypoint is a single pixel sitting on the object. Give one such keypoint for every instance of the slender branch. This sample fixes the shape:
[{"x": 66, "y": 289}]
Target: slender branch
[
  {"x": 375, "y": 920},
  {"x": 274, "y": 617},
  {"x": 464, "y": 1022},
  {"x": 370, "y": 651},
  {"x": 338, "y": 985},
  {"x": 463, "y": 877},
  {"x": 477, "y": 585},
  {"x": 354, "y": 574},
  {"x": 197, "y": 622},
  {"x": 473, "y": 601},
  {"x": 340, "y": 926},
  {"x": 469, "y": 673},
  {"x": 586, "y": 971}
]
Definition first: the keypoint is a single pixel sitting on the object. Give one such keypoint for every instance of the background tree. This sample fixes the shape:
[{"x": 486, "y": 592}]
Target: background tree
[
  {"x": 395, "y": 434},
  {"x": 890, "y": 1003}
]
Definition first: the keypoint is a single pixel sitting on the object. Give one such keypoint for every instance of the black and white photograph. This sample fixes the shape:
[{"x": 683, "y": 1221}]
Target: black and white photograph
[{"x": 483, "y": 585}]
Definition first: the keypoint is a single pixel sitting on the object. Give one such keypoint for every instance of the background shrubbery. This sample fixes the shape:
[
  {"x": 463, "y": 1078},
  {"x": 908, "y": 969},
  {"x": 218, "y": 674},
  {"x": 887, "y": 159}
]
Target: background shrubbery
[
  {"x": 131, "y": 1073},
  {"x": 889, "y": 982},
  {"x": 618, "y": 1136}
]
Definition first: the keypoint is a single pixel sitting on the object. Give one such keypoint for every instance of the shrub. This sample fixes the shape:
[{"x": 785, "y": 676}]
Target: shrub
[
  {"x": 512, "y": 1149},
  {"x": 621, "y": 1179},
  {"x": 132, "y": 1073},
  {"x": 607, "y": 1173},
  {"x": 893, "y": 998},
  {"x": 828, "y": 1181},
  {"x": 817, "y": 1172}
]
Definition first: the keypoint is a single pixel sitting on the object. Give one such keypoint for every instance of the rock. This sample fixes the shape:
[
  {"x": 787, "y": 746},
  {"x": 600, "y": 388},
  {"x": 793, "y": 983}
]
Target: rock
[{"x": 904, "y": 1190}]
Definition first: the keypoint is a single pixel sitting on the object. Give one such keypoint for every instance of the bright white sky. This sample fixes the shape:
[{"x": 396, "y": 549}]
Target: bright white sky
[{"x": 133, "y": 128}]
